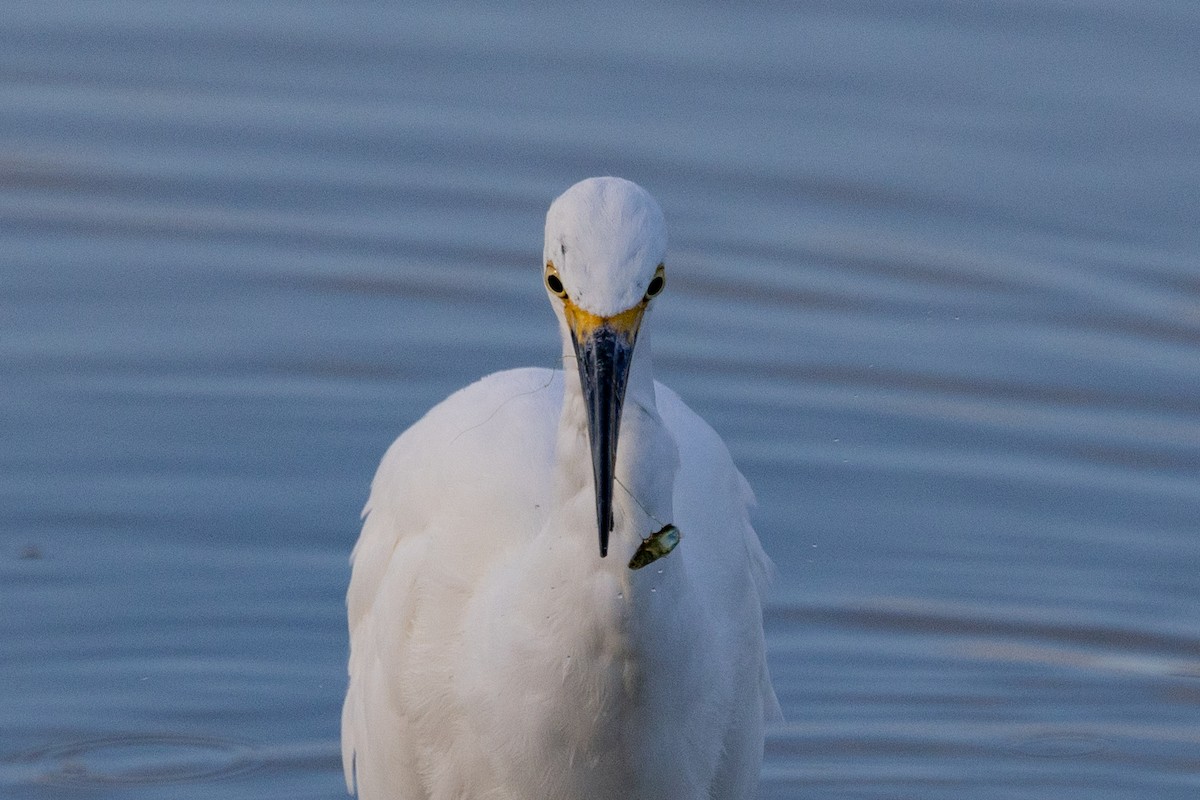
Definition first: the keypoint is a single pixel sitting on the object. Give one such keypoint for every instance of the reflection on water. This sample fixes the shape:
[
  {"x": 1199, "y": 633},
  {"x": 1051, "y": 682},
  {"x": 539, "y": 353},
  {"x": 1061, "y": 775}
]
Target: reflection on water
[{"x": 935, "y": 283}]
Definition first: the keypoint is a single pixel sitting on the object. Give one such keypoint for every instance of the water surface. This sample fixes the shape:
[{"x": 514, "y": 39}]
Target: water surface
[{"x": 935, "y": 278}]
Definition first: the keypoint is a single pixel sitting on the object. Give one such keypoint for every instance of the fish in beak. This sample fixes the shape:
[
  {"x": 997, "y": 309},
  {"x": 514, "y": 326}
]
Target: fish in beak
[{"x": 604, "y": 351}]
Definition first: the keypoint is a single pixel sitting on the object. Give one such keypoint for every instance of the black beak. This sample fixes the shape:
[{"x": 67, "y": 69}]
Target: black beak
[{"x": 604, "y": 356}]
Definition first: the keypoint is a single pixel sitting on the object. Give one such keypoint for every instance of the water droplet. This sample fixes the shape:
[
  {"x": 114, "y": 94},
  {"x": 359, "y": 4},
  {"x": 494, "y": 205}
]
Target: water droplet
[
  {"x": 620, "y": 595},
  {"x": 653, "y": 589}
]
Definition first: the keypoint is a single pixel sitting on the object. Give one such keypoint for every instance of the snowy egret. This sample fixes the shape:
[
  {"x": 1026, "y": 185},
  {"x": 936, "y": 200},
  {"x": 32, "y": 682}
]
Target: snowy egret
[{"x": 494, "y": 653}]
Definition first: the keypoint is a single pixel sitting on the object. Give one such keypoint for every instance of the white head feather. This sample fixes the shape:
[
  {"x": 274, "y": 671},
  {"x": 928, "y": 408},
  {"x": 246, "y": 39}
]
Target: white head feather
[{"x": 606, "y": 237}]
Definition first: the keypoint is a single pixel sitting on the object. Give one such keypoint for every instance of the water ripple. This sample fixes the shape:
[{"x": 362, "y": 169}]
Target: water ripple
[
  {"x": 913, "y": 616},
  {"x": 137, "y": 759}
]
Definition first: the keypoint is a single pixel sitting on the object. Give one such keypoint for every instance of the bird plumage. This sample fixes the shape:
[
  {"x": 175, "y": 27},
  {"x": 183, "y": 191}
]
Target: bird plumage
[{"x": 494, "y": 653}]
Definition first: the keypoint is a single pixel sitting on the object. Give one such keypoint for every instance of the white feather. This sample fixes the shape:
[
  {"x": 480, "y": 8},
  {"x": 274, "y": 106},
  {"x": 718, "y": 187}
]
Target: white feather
[{"x": 494, "y": 654}]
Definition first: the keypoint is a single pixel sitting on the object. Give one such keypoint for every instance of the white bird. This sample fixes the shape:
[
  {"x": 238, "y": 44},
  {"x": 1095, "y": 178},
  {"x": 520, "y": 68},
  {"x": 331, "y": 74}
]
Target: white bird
[{"x": 494, "y": 653}]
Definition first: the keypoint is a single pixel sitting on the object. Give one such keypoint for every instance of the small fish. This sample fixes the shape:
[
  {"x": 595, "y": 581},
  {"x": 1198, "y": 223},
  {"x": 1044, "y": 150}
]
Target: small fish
[{"x": 655, "y": 546}]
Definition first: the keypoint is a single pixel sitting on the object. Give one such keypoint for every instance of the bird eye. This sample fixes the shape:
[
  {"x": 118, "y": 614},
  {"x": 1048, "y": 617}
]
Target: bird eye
[
  {"x": 554, "y": 283},
  {"x": 657, "y": 283}
]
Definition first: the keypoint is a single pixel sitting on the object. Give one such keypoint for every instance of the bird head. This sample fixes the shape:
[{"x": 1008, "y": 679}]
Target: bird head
[{"x": 603, "y": 266}]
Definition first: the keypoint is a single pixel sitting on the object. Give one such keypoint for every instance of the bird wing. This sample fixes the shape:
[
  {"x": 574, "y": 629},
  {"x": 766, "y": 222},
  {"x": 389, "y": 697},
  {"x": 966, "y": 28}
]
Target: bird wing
[
  {"x": 713, "y": 503},
  {"x": 480, "y": 446}
]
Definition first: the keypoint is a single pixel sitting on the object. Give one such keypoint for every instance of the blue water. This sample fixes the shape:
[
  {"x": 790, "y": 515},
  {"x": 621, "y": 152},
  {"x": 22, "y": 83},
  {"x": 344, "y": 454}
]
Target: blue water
[{"x": 935, "y": 279}]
